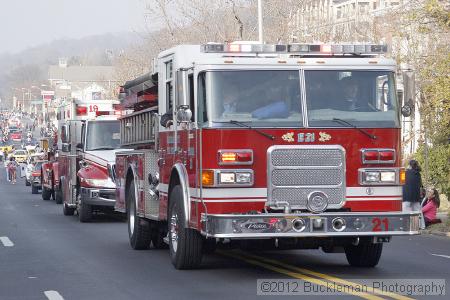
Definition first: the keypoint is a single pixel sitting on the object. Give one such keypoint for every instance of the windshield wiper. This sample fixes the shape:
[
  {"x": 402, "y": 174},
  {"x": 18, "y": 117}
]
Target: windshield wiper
[
  {"x": 269, "y": 136},
  {"x": 373, "y": 137},
  {"x": 102, "y": 148}
]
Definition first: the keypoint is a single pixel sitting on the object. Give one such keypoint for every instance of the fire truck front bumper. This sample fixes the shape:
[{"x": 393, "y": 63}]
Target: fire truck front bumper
[
  {"x": 310, "y": 225},
  {"x": 98, "y": 197}
]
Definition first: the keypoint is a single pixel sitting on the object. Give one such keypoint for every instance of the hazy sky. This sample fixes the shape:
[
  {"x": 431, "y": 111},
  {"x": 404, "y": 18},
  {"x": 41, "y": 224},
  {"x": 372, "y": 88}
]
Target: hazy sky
[{"x": 27, "y": 23}]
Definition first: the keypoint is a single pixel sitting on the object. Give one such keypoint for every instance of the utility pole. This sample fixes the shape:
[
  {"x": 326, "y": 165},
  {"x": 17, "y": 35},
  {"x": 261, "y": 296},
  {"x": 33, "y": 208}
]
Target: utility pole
[{"x": 260, "y": 22}]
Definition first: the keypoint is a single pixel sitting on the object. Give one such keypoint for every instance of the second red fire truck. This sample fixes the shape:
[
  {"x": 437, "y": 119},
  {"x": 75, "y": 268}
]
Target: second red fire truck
[
  {"x": 89, "y": 137},
  {"x": 291, "y": 146}
]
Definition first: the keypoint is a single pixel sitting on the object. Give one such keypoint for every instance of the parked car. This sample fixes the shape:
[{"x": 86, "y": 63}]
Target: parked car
[
  {"x": 20, "y": 156},
  {"x": 26, "y": 171},
  {"x": 6, "y": 148},
  {"x": 35, "y": 177},
  {"x": 16, "y": 136}
]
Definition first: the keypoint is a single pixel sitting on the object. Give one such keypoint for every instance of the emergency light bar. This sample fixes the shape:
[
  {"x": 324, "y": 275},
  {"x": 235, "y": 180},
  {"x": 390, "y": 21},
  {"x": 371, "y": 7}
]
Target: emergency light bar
[{"x": 302, "y": 49}]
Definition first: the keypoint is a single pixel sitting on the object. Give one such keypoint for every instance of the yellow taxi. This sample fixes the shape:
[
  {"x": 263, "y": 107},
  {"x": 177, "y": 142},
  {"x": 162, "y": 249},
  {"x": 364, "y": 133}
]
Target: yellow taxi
[
  {"x": 20, "y": 156},
  {"x": 6, "y": 148}
]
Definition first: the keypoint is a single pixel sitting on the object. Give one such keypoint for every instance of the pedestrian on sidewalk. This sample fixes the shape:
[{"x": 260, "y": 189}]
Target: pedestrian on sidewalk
[
  {"x": 411, "y": 189},
  {"x": 431, "y": 206}
]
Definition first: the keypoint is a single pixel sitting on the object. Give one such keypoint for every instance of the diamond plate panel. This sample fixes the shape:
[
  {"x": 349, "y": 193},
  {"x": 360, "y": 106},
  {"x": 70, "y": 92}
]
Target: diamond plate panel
[
  {"x": 306, "y": 177},
  {"x": 151, "y": 166}
]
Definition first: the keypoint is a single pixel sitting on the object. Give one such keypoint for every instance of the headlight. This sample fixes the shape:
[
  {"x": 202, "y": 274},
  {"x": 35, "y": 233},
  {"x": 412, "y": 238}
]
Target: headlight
[
  {"x": 372, "y": 176},
  {"x": 379, "y": 177},
  {"x": 227, "y": 178},
  {"x": 387, "y": 176},
  {"x": 105, "y": 183},
  {"x": 243, "y": 177}
]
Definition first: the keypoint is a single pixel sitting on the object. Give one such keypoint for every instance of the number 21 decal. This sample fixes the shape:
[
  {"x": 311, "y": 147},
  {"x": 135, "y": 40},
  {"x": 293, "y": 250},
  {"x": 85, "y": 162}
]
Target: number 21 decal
[{"x": 378, "y": 224}]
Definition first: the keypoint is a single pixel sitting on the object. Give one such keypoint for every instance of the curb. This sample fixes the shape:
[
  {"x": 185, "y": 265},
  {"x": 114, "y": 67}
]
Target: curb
[{"x": 439, "y": 233}]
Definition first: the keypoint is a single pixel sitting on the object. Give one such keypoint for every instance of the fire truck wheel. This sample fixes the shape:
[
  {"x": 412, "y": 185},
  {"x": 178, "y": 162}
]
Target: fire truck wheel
[
  {"x": 58, "y": 196},
  {"x": 365, "y": 254},
  {"x": 138, "y": 232},
  {"x": 84, "y": 212},
  {"x": 68, "y": 211},
  {"x": 46, "y": 194},
  {"x": 185, "y": 244},
  {"x": 34, "y": 189}
]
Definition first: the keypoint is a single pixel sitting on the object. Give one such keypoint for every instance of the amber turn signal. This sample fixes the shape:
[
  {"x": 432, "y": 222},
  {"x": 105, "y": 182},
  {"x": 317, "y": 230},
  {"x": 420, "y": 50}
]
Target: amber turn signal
[
  {"x": 402, "y": 176},
  {"x": 208, "y": 178}
]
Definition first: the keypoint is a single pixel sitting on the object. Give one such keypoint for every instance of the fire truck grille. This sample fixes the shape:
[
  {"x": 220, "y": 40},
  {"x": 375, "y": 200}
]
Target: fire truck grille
[
  {"x": 306, "y": 177},
  {"x": 310, "y": 157},
  {"x": 295, "y": 172}
]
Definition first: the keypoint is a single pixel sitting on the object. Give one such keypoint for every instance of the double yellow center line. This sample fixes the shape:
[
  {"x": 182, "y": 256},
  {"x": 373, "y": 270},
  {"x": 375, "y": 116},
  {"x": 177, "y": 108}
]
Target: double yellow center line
[{"x": 309, "y": 275}]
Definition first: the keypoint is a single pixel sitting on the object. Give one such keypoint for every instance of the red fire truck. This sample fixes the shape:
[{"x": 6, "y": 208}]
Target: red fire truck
[
  {"x": 50, "y": 179},
  {"x": 287, "y": 146},
  {"x": 49, "y": 172},
  {"x": 89, "y": 136}
]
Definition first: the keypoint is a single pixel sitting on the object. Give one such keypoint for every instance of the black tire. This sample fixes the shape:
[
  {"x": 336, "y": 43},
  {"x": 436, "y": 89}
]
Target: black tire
[
  {"x": 58, "y": 196},
  {"x": 46, "y": 193},
  {"x": 68, "y": 211},
  {"x": 139, "y": 231},
  {"x": 34, "y": 189},
  {"x": 187, "y": 252},
  {"x": 84, "y": 212},
  {"x": 365, "y": 254},
  {"x": 61, "y": 184}
]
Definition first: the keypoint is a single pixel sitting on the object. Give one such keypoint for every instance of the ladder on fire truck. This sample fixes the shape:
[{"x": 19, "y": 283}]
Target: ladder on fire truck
[{"x": 139, "y": 128}]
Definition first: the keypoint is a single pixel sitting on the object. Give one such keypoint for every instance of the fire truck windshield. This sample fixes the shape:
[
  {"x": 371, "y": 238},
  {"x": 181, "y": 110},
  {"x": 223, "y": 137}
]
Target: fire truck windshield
[
  {"x": 103, "y": 135},
  {"x": 364, "y": 98},
  {"x": 272, "y": 98},
  {"x": 263, "y": 97}
]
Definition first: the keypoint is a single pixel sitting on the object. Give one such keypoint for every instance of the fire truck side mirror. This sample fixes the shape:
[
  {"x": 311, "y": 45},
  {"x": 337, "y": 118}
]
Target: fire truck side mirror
[
  {"x": 184, "y": 114},
  {"x": 65, "y": 148},
  {"x": 122, "y": 96},
  {"x": 409, "y": 93},
  {"x": 64, "y": 134},
  {"x": 406, "y": 110},
  {"x": 121, "y": 93}
]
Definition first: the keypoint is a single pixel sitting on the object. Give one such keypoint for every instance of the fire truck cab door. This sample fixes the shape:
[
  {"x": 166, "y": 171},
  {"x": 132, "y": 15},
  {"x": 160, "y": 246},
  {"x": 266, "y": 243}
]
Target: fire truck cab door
[
  {"x": 167, "y": 135},
  {"x": 72, "y": 166}
]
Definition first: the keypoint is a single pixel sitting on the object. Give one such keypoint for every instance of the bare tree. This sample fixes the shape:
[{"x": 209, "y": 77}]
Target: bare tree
[{"x": 199, "y": 21}]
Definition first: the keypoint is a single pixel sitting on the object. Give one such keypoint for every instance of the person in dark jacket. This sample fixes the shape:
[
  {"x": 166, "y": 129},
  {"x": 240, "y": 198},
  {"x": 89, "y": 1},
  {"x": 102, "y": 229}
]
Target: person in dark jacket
[{"x": 411, "y": 189}]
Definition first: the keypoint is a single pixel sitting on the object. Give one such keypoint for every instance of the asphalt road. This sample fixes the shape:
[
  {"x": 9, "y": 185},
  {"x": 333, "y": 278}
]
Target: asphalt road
[{"x": 46, "y": 255}]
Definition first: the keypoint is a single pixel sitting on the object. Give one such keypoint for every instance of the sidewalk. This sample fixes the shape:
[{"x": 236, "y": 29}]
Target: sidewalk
[
  {"x": 442, "y": 229},
  {"x": 443, "y": 216}
]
